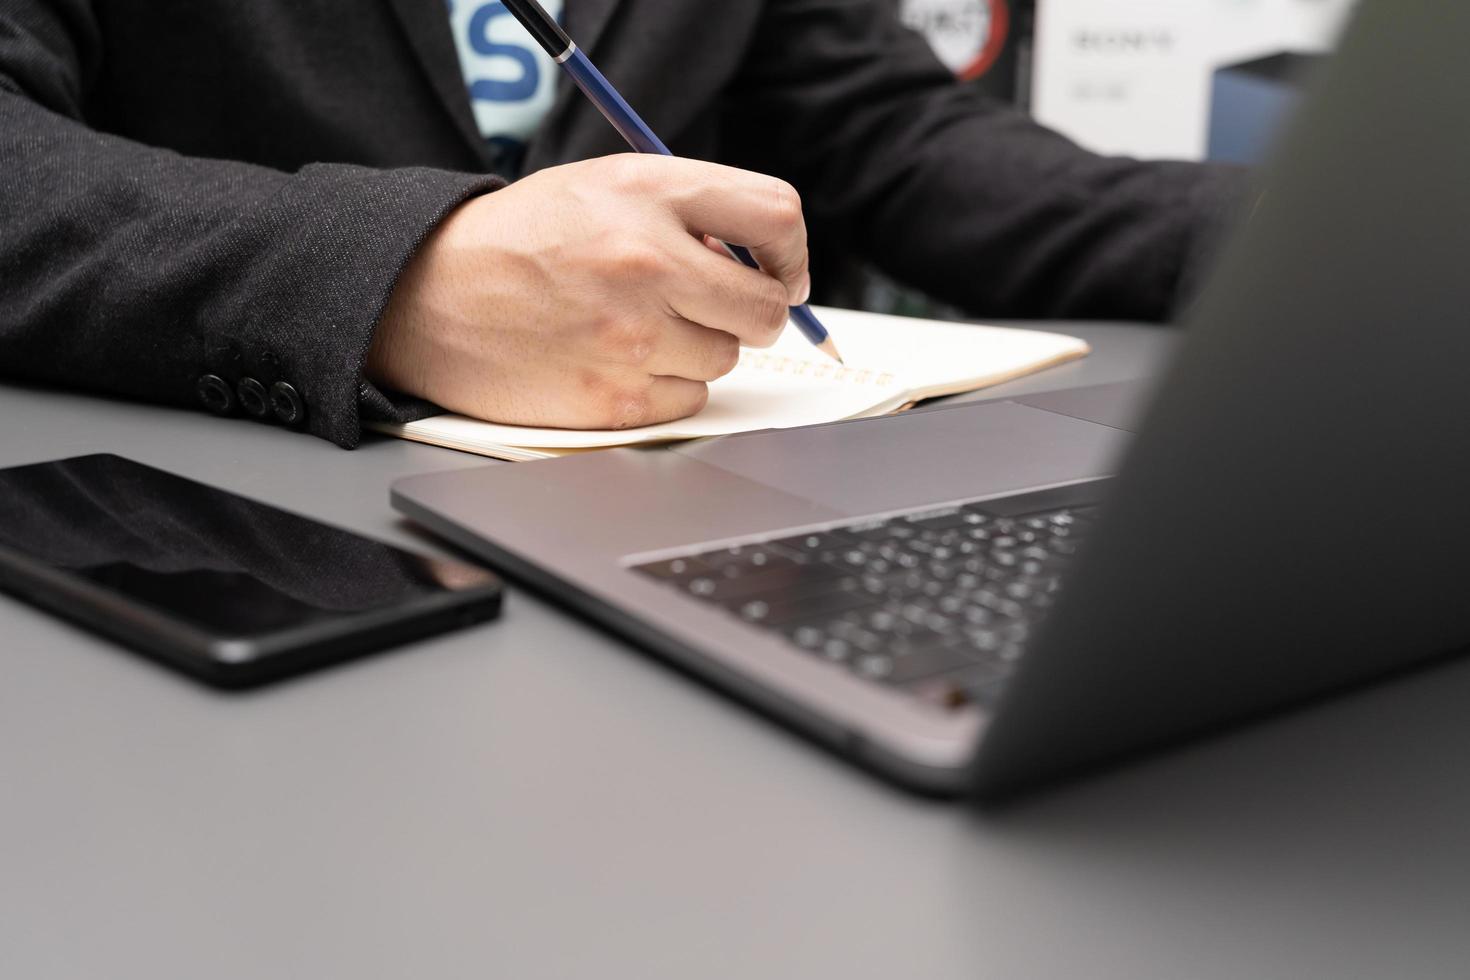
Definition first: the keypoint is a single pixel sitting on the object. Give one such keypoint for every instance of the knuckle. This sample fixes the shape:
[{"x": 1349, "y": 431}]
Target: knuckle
[
  {"x": 698, "y": 401},
  {"x": 725, "y": 356},
  {"x": 643, "y": 262},
  {"x": 786, "y": 206},
  {"x": 625, "y": 406},
  {"x": 629, "y": 171},
  {"x": 768, "y": 307},
  {"x": 610, "y": 402},
  {"x": 802, "y": 267},
  {"x": 634, "y": 261},
  {"x": 627, "y": 340}
]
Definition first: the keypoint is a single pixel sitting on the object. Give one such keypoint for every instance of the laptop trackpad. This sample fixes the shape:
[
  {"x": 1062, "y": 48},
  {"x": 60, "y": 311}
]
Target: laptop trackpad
[
  {"x": 914, "y": 460},
  {"x": 1120, "y": 404}
]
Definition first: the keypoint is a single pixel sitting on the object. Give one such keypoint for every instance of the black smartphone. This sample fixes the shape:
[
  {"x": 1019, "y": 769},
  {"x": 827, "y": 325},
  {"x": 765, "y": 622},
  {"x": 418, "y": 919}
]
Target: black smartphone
[{"x": 230, "y": 590}]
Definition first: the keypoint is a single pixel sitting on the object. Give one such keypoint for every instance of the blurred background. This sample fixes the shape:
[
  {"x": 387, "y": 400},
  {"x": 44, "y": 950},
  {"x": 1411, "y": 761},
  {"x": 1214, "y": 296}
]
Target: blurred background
[{"x": 1156, "y": 79}]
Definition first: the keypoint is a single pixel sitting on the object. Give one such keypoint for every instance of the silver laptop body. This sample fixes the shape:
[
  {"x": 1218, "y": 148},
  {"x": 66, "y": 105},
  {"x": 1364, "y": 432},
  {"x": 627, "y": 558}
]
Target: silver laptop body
[{"x": 1292, "y": 517}]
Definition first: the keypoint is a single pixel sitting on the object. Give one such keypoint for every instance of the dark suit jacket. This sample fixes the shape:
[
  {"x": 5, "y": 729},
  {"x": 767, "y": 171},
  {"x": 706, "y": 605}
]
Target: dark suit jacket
[{"x": 218, "y": 187}]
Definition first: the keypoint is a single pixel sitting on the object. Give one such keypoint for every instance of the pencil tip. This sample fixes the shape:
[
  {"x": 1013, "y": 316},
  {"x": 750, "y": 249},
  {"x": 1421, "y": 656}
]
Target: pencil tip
[{"x": 830, "y": 349}]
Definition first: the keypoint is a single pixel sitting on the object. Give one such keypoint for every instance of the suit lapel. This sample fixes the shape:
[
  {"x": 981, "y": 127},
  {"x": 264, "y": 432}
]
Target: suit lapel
[
  {"x": 586, "y": 22},
  {"x": 425, "y": 24}
]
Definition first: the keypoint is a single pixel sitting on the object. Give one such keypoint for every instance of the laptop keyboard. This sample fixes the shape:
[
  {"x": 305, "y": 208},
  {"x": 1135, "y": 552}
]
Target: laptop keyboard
[{"x": 940, "y": 603}]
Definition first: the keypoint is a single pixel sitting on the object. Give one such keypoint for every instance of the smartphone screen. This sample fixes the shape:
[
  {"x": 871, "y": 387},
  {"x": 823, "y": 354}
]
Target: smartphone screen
[{"x": 232, "y": 590}]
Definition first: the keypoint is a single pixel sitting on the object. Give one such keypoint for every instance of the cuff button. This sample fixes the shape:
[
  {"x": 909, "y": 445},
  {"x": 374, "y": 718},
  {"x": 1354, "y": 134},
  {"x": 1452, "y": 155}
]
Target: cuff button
[
  {"x": 254, "y": 399},
  {"x": 215, "y": 394},
  {"x": 287, "y": 404}
]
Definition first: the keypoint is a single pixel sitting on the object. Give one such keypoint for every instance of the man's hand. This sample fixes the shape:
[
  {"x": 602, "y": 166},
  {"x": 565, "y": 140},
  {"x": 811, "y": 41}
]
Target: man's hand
[{"x": 585, "y": 296}]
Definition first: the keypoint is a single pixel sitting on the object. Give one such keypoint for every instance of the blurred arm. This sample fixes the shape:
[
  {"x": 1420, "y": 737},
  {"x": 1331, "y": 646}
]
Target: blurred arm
[{"x": 956, "y": 193}]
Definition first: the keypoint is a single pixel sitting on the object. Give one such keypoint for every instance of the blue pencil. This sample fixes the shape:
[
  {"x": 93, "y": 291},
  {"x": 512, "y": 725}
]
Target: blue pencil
[{"x": 549, "y": 34}]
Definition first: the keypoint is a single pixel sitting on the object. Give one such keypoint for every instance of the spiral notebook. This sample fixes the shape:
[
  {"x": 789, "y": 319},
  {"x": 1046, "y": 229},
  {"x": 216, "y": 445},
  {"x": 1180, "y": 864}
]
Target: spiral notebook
[{"x": 891, "y": 363}]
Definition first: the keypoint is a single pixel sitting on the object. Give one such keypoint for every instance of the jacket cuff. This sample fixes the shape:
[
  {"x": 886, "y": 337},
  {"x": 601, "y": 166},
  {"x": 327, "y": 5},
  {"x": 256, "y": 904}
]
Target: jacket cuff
[{"x": 359, "y": 250}]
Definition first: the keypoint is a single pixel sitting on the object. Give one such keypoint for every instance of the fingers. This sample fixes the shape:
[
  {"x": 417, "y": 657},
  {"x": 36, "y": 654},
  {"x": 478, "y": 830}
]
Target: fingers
[
  {"x": 672, "y": 398},
  {"x": 628, "y": 405},
  {"x": 688, "y": 350},
  {"x": 719, "y": 293},
  {"x": 601, "y": 400},
  {"x": 762, "y": 213},
  {"x": 709, "y": 202}
]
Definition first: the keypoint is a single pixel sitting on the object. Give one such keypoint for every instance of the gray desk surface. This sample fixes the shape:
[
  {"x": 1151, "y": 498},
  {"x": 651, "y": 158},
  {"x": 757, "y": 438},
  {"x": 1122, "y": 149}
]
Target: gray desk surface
[{"x": 535, "y": 799}]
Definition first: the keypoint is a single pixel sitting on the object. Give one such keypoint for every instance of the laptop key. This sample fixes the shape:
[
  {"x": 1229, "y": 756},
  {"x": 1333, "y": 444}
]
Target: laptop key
[
  {"x": 790, "y": 579},
  {"x": 675, "y": 568},
  {"x": 912, "y": 666},
  {"x": 816, "y": 543},
  {"x": 940, "y": 520},
  {"x": 879, "y": 532},
  {"x": 741, "y": 559},
  {"x": 806, "y": 635},
  {"x": 780, "y": 608}
]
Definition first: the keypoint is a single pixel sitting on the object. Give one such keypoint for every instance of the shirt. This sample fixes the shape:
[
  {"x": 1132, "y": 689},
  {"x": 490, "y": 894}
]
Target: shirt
[{"x": 511, "y": 80}]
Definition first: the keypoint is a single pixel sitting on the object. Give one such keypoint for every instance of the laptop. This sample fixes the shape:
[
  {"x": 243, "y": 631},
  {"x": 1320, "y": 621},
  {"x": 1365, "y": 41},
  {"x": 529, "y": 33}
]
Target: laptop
[{"x": 982, "y": 597}]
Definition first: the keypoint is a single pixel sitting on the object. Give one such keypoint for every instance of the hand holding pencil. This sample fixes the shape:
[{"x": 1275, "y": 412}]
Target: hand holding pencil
[
  {"x": 584, "y": 296},
  {"x": 549, "y": 34}
]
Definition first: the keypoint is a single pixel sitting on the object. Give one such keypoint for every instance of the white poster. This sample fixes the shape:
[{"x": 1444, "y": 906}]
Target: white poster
[{"x": 1133, "y": 76}]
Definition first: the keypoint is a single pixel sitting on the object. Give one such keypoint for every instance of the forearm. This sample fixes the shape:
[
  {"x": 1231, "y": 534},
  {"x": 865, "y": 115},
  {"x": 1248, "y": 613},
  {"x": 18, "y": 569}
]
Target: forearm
[
  {"x": 956, "y": 193},
  {"x": 135, "y": 270},
  {"x": 1004, "y": 218}
]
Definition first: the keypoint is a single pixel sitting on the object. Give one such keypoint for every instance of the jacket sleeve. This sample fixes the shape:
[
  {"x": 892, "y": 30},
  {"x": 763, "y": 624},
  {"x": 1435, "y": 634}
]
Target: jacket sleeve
[
  {"x": 133, "y": 270},
  {"x": 957, "y": 193}
]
